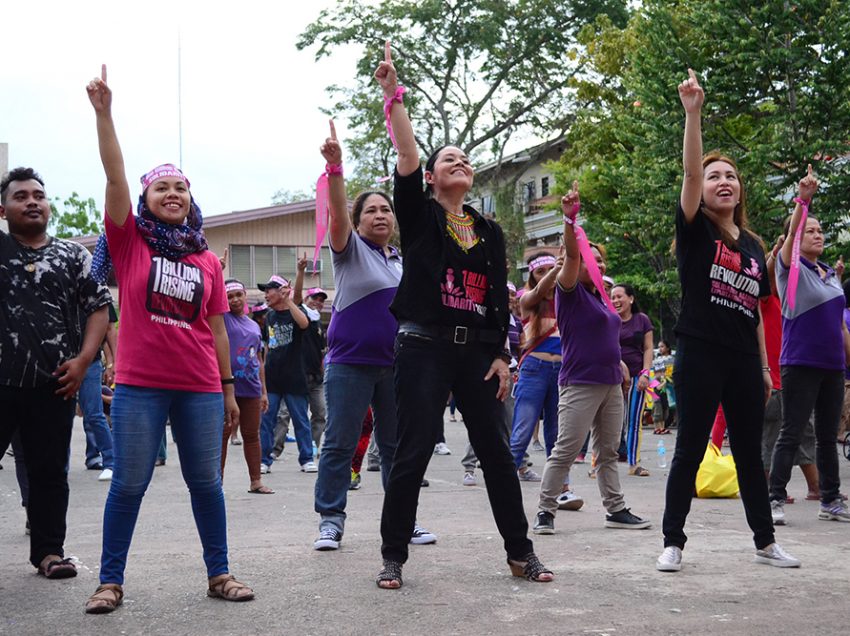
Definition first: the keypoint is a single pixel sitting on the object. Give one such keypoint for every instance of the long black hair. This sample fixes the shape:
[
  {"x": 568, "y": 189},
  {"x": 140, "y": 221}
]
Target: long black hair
[{"x": 630, "y": 292}]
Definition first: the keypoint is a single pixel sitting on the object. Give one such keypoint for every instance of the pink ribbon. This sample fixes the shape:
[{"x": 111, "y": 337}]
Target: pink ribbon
[
  {"x": 794, "y": 267},
  {"x": 388, "y": 106},
  {"x": 322, "y": 214},
  {"x": 586, "y": 252},
  {"x": 323, "y": 208}
]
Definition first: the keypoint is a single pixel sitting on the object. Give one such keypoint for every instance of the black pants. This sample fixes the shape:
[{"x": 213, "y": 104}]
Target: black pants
[
  {"x": 804, "y": 389},
  {"x": 44, "y": 422},
  {"x": 426, "y": 370},
  {"x": 706, "y": 375}
]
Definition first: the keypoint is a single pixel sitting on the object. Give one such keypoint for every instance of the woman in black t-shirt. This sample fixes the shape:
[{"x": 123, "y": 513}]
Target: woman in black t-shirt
[
  {"x": 452, "y": 307},
  {"x": 720, "y": 356}
]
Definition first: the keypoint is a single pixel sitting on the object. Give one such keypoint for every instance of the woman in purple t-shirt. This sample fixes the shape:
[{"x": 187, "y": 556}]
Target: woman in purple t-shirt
[
  {"x": 590, "y": 396},
  {"x": 636, "y": 348},
  {"x": 250, "y": 382}
]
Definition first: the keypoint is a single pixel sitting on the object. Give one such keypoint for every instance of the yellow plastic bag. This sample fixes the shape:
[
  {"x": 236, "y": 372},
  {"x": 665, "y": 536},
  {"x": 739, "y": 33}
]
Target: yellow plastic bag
[{"x": 717, "y": 476}]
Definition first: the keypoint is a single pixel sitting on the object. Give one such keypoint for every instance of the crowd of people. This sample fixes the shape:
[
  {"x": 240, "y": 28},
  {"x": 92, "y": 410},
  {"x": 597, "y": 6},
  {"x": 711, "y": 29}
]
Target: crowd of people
[{"x": 570, "y": 356}]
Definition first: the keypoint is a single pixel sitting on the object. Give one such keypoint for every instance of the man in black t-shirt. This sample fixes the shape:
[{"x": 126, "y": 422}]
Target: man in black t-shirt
[
  {"x": 46, "y": 286},
  {"x": 285, "y": 377}
]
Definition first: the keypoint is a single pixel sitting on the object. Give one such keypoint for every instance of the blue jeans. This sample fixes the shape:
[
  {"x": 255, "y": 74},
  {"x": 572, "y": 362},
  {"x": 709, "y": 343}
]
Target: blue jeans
[
  {"x": 349, "y": 390},
  {"x": 536, "y": 391},
  {"x": 138, "y": 423},
  {"x": 98, "y": 435},
  {"x": 297, "y": 407}
]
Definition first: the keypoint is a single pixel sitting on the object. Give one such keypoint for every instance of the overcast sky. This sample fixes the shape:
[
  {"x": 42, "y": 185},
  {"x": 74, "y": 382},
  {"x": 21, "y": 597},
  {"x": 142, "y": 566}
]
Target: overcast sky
[{"x": 250, "y": 100}]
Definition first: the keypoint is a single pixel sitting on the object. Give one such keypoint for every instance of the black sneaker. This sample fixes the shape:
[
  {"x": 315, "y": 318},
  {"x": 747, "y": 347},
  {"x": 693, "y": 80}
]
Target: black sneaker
[
  {"x": 329, "y": 539},
  {"x": 545, "y": 523},
  {"x": 626, "y": 520}
]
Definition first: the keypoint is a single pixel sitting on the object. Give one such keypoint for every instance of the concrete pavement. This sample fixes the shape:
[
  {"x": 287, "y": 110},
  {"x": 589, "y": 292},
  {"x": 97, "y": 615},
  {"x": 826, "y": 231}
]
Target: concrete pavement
[{"x": 606, "y": 582}]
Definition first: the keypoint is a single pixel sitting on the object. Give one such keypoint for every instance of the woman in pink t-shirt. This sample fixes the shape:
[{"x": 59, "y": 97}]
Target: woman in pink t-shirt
[{"x": 174, "y": 362}]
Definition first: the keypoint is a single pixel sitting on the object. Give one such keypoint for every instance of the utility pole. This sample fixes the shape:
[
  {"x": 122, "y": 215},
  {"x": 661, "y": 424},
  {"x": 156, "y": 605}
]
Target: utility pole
[{"x": 4, "y": 168}]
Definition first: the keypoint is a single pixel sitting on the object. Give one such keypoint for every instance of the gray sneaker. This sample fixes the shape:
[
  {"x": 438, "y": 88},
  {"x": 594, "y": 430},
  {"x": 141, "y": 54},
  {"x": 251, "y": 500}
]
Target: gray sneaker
[
  {"x": 545, "y": 523},
  {"x": 528, "y": 475},
  {"x": 777, "y": 511},
  {"x": 777, "y": 557},
  {"x": 835, "y": 510}
]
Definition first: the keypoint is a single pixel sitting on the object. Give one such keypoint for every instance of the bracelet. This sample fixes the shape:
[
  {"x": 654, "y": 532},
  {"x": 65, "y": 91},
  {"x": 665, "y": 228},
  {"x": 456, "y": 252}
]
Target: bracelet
[
  {"x": 766, "y": 369},
  {"x": 333, "y": 168},
  {"x": 568, "y": 220},
  {"x": 228, "y": 380}
]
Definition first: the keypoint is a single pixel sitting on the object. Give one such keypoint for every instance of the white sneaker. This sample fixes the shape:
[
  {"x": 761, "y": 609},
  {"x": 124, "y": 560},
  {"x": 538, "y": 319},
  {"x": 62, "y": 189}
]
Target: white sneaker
[
  {"x": 670, "y": 560},
  {"x": 469, "y": 479},
  {"x": 774, "y": 555},
  {"x": 568, "y": 500},
  {"x": 777, "y": 511},
  {"x": 106, "y": 475},
  {"x": 442, "y": 449},
  {"x": 265, "y": 469},
  {"x": 309, "y": 467}
]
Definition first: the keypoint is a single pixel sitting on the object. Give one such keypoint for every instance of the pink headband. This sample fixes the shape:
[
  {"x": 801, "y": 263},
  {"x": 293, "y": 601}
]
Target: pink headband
[
  {"x": 512, "y": 287},
  {"x": 164, "y": 171},
  {"x": 542, "y": 261},
  {"x": 234, "y": 286}
]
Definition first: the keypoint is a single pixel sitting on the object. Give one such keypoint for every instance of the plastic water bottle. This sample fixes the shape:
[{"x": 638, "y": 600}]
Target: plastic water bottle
[
  {"x": 662, "y": 454},
  {"x": 315, "y": 451}
]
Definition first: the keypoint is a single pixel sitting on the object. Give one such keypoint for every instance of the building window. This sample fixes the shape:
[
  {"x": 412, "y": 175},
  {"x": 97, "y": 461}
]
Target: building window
[
  {"x": 487, "y": 205},
  {"x": 529, "y": 191},
  {"x": 253, "y": 264},
  {"x": 544, "y": 186}
]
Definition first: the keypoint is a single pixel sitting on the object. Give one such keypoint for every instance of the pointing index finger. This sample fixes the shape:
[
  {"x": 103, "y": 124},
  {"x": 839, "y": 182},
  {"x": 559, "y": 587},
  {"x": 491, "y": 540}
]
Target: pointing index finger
[
  {"x": 388, "y": 58},
  {"x": 575, "y": 186},
  {"x": 333, "y": 129},
  {"x": 810, "y": 171},
  {"x": 103, "y": 72}
]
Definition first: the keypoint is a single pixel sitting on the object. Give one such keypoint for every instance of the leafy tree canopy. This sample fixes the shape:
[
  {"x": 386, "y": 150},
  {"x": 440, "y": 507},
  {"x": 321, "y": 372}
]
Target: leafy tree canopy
[
  {"x": 478, "y": 71},
  {"x": 78, "y": 217},
  {"x": 777, "y": 83}
]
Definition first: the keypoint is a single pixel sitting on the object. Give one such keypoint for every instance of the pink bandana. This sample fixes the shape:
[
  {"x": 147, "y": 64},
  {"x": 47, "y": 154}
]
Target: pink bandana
[
  {"x": 234, "y": 286},
  {"x": 165, "y": 171}
]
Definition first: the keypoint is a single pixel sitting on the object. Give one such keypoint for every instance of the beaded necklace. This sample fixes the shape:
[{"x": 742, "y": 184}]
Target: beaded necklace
[{"x": 460, "y": 228}]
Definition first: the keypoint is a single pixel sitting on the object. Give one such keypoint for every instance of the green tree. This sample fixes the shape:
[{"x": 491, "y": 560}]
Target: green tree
[
  {"x": 478, "y": 70},
  {"x": 777, "y": 87},
  {"x": 78, "y": 217},
  {"x": 283, "y": 196}
]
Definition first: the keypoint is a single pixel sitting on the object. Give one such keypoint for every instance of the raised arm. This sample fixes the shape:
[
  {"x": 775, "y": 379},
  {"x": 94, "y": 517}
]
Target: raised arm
[
  {"x": 340, "y": 223},
  {"x": 533, "y": 297},
  {"x": 117, "y": 188},
  {"x": 568, "y": 274},
  {"x": 805, "y": 190},
  {"x": 692, "y": 97},
  {"x": 298, "y": 288},
  {"x": 408, "y": 153}
]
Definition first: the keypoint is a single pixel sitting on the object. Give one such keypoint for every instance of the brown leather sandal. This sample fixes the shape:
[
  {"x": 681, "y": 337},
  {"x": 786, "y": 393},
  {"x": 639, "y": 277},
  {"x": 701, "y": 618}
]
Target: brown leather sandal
[
  {"x": 105, "y": 599},
  {"x": 57, "y": 568},
  {"x": 226, "y": 587}
]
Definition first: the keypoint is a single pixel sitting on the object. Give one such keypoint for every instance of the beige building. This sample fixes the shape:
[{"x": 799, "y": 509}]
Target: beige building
[
  {"x": 533, "y": 182},
  {"x": 262, "y": 242}
]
